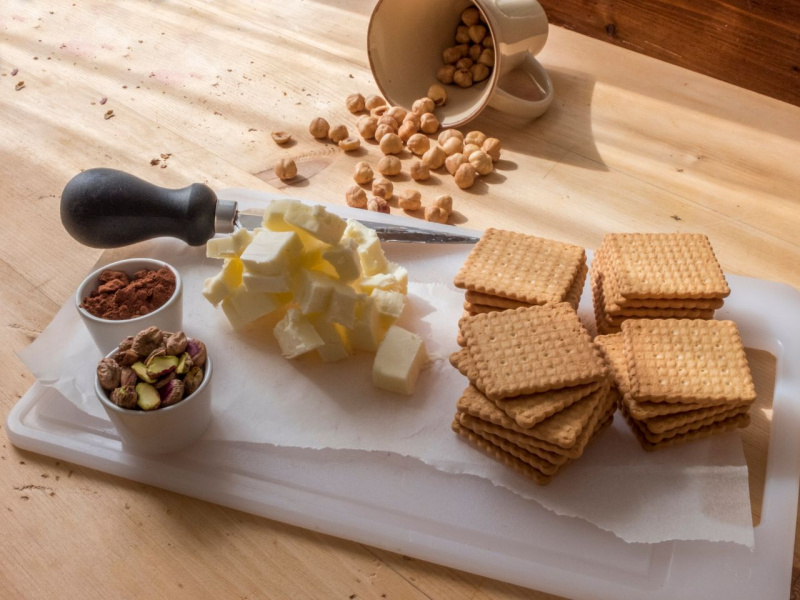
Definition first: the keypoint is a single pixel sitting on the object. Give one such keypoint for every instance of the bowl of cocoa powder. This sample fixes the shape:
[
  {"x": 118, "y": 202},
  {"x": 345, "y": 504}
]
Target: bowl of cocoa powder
[{"x": 124, "y": 297}]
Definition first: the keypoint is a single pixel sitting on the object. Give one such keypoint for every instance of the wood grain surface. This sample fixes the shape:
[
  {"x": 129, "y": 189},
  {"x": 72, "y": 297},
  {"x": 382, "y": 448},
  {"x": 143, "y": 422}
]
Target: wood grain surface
[
  {"x": 629, "y": 144},
  {"x": 754, "y": 44}
]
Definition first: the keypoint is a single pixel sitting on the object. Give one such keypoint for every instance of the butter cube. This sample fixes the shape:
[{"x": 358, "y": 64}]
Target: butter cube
[
  {"x": 231, "y": 245},
  {"x": 312, "y": 260},
  {"x": 222, "y": 285},
  {"x": 317, "y": 221},
  {"x": 272, "y": 252},
  {"x": 243, "y": 307},
  {"x": 389, "y": 305},
  {"x": 296, "y": 335},
  {"x": 334, "y": 348},
  {"x": 358, "y": 232},
  {"x": 398, "y": 361},
  {"x": 366, "y": 332},
  {"x": 273, "y": 284},
  {"x": 400, "y": 274},
  {"x": 344, "y": 259},
  {"x": 342, "y": 305},
  {"x": 274, "y": 214},
  {"x": 313, "y": 292},
  {"x": 372, "y": 258}
]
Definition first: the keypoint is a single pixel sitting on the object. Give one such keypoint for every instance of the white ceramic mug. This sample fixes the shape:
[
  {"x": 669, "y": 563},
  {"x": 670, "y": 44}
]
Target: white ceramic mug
[{"x": 405, "y": 43}]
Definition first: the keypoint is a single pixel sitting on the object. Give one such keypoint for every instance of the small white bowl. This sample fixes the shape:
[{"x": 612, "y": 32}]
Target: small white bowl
[
  {"x": 164, "y": 429},
  {"x": 108, "y": 333}
]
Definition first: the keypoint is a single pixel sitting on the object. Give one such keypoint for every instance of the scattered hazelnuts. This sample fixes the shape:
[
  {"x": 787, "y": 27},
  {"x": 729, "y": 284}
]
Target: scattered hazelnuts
[
  {"x": 398, "y": 113},
  {"x": 438, "y": 94},
  {"x": 407, "y": 130},
  {"x": 434, "y": 157},
  {"x": 434, "y": 214},
  {"x": 337, "y": 133},
  {"x": 422, "y": 106},
  {"x": 390, "y": 165},
  {"x": 319, "y": 128},
  {"x": 378, "y": 205},
  {"x": 445, "y": 202},
  {"x": 414, "y": 118},
  {"x": 387, "y": 120},
  {"x": 349, "y": 144},
  {"x": 381, "y": 131},
  {"x": 367, "y": 126},
  {"x": 429, "y": 123},
  {"x": 475, "y": 137},
  {"x": 382, "y": 188},
  {"x": 419, "y": 144},
  {"x": 469, "y": 149},
  {"x": 285, "y": 169},
  {"x": 481, "y": 161},
  {"x": 379, "y": 111},
  {"x": 492, "y": 147},
  {"x": 410, "y": 200},
  {"x": 448, "y": 133},
  {"x": 474, "y": 47},
  {"x": 479, "y": 72},
  {"x": 452, "y": 146},
  {"x": 419, "y": 171},
  {"x": 445, "y": 74},
  {"x": 462, "y": 78},
  {"x": 454, "y": 161},
  {"x": 355, "y": 103},
  {"x": 373, "y": 101},
  {"x": 391, "y": 143},
  {"x": 363, "y": 173},
  {"x": 356, "y": 197},
  {"x": 281, "y": 137},
  {"x": 465, "y": 176}
]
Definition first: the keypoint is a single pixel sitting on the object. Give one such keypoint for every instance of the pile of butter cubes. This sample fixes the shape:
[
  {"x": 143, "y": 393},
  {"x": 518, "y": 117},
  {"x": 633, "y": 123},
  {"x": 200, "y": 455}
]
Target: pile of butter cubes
[{"x": 331, "y": 281}]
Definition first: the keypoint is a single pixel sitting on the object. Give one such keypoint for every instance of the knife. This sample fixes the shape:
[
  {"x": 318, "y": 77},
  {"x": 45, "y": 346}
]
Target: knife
[{"x": 106, "y": 208}]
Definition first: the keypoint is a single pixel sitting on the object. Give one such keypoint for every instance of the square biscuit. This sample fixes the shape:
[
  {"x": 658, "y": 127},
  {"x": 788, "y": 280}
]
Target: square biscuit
[
  {"x": 575, "y": 291},
  {"x": 531, "y": 350},
  {"x": 655, "y": 438},
  {"x": 737, "y": 422},
  {"x": 490, "y": 300},
  {"x": 688, "y": 361},
  {"x": 670, "y": 422},
  {"x": 520, "y": 267},
  {"x": 664, "y": 265}
]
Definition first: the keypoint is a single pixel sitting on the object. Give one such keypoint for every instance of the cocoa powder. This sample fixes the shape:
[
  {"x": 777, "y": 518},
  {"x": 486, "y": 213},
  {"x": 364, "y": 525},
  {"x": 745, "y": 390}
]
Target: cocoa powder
[{"x": 121, "y": 297}]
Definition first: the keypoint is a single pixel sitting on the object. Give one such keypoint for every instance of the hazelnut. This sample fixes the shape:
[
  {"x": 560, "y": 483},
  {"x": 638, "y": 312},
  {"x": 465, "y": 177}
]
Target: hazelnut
[
  {"x": 463, "y": 49},
  {"x": 481, "y": 161},
  {"x": 355, "y": 103},
  {"x": 488, "y": 42},
  {"x": 492, "y": 147},
  {"x": 419, "y": 144},
  {"x": 470, "y": 16},
  {"x": 451, "y": 55},
  {"x": 374, "y": 101},
  {"x": 422, "y": 106},
  {"x": 108, "y": 373},
  {"x": 410, "y": 200},
  {"x": 476, "y": 33},
  {"x": 464, "y": 64},
  {"x": 356, "y": 197},
  {"x": 363, "y": 173},
  {"x": 438, "y": 94},
  {"x": 445, "y": 74},
  {"x": 281, "y": 137},
  {"x": 434, "y": 157},
  {"x": 435, "y": 214},
  {"x": 487, "y": 57},
  {"x": 367, "y": 126},
  {"x": 378, "y": 205},
  {"x": 391, "y": 144},
  {"x": 465, "y": 176},
  {"x": 414, "y": 118},
  {"x": 462, "y": 34},
  {"x": 319, "y": 128},
  {"x": 379, "y": 111},
  {"x": 452, "y": 146},
  {"x": 382, "y": 188},
  {"x": 419, "y": 171},
  {"x": 462, "y": 78},
  {"x": 469, "y": 149},
  {"x": 285, "y": 169},
  {"x": 389, "y": 165},
  {"x": 429, "y": 123},
  {"x": 337, "y": 133},
  {"x": 448, "y": 133},
  {"x": 381, "y": 131},
  {"x": 445, "y": 202},
  {"x": 453, "y": 162},
  {"x": 407, "y": 130},
  {"x": 390, "y": 121},
  {"x": 398, "y": 113},
  {"x": 479, "y": 72},
  {"x": 475, "y": 137},
  {"x": 475, "y": 52},
  {"x": 350, "y": 143}
]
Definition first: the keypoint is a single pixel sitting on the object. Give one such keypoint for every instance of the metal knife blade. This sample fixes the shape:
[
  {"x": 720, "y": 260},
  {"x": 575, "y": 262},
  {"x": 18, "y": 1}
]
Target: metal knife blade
[{"x": 390, "y": 233}]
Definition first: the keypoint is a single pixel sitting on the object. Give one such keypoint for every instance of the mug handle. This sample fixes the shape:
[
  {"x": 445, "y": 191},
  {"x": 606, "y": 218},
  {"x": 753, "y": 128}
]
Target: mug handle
[{"x": 520, "y": 107}]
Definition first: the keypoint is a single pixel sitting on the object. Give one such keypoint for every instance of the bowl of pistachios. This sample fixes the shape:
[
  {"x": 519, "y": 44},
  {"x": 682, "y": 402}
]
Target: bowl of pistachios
[{"x": 156, "y": 389}]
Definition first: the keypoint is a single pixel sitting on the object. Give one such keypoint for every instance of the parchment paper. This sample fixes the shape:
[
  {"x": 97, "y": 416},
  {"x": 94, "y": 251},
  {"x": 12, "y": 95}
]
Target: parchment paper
[{"x": 697, "y": 491}]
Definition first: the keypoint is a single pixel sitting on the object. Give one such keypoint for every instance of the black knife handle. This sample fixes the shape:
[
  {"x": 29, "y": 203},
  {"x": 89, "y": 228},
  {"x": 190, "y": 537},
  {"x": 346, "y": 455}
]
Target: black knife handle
[{"x": 106, "y": 208}]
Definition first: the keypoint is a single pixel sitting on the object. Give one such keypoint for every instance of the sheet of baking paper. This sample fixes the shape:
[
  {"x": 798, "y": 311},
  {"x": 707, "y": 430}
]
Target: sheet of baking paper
[{"x": 695, "y": 492}]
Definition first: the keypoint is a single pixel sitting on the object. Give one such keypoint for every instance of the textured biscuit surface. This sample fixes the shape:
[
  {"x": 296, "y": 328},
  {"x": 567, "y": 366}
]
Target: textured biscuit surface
[
  {"x": 689, "y": 361},
  {"x": 490, "y": 300},
  {"x": 520, "y": 267},
  {"x": 531, "y": 350},
  {"x": 737, "y": 422}
]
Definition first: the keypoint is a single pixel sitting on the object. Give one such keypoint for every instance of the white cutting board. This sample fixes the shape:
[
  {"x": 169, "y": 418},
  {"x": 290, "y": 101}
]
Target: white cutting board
[{"x": 403, "y": 505}]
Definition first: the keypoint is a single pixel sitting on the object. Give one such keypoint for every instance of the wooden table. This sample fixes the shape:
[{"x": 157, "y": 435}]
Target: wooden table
[{"x": 630, "y": 144}]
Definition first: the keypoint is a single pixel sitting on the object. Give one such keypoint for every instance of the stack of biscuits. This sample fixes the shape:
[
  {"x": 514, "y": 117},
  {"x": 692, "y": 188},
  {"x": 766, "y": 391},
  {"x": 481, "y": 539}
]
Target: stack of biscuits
[
  {"x": 655, "y": 276},
  {"x": 679, "y": 379},
  {"x": 508, "y": 270},
  {"x": 539, "y": 389}
]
